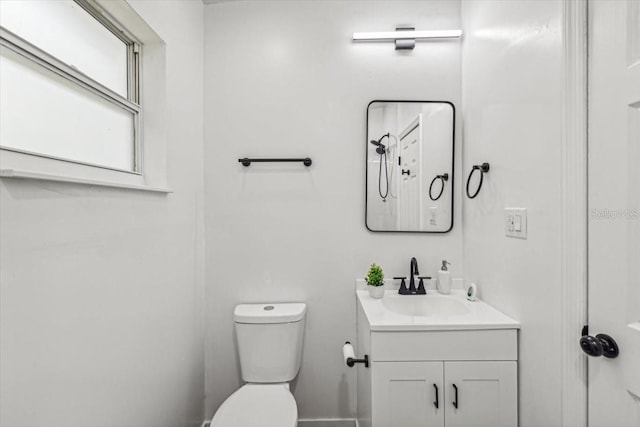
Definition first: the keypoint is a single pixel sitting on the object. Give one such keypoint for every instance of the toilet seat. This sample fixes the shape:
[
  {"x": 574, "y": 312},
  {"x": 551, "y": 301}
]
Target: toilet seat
[{"x": 258, "y": 405}]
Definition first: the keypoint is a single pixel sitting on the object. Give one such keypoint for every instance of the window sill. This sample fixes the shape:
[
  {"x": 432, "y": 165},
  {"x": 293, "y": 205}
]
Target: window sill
[{"x": 23, "y": 174}]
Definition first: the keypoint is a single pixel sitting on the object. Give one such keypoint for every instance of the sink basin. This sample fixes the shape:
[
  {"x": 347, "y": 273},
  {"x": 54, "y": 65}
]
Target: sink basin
[
  {"x": 431, "y": 312},
  {"x": 425, "y": 305}
]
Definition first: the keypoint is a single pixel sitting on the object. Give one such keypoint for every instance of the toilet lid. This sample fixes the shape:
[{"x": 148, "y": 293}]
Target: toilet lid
[{"x": 258, "y": 405}]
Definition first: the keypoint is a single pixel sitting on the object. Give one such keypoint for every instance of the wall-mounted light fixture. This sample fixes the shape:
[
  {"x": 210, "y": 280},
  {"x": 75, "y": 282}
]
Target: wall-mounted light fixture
[{"x": 405, "y": 37}]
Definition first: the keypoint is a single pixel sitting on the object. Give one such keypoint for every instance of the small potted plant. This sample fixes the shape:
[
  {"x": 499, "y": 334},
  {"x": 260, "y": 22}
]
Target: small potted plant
[{"x": 375, "y": 280}]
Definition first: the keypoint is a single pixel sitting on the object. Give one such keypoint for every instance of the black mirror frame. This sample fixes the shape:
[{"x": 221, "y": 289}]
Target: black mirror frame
[{"x": 453, "y": 164}]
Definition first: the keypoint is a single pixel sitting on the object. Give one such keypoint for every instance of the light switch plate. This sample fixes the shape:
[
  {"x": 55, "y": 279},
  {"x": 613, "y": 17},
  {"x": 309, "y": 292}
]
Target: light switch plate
[
  {"x": 433, "y": 215},
  {"x": 515, "y": 222}
]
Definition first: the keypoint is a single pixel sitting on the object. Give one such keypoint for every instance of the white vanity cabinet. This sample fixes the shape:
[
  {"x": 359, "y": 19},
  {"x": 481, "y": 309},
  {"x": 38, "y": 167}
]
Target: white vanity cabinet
[
  {"x": 413, "y": 376},
  {"x": 487, "y": 394},
  {"x": 407, "y": 394},
  {"x": 439, "y": 394}
]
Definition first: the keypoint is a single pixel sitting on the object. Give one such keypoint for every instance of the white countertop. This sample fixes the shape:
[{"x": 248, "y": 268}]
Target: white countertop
[{"x": 479, "y": 315}]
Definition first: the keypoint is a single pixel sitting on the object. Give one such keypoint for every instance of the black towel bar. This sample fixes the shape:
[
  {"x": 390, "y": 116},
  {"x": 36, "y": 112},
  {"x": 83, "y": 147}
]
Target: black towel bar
[{"x": 247, "y": 161}]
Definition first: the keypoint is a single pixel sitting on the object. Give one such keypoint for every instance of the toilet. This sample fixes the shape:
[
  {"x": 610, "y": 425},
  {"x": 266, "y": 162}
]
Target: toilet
[{"x": 270, "y": 347}]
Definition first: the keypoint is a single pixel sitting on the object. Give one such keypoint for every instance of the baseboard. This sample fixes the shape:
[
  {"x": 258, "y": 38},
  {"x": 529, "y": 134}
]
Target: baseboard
[
  {"x": 327, "y": 422},
  {"x": 319, "y": 422}
]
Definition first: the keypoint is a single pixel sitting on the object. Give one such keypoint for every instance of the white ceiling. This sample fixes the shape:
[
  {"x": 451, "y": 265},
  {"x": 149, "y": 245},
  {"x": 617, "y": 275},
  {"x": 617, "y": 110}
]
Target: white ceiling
[{"x": 233, "y": 1}]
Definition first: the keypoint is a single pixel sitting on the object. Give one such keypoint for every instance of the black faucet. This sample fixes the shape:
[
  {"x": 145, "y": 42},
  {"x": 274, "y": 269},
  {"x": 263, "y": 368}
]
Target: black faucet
[
  {"x": 413, "y": 267},
  {"x": 413, "y": 271}
]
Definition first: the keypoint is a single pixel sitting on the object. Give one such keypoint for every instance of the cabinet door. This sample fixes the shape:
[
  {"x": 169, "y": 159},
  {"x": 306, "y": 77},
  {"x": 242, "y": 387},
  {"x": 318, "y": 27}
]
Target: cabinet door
[
  {"x": 486, "y": 394},
  {"x": 407, "y": 394}
]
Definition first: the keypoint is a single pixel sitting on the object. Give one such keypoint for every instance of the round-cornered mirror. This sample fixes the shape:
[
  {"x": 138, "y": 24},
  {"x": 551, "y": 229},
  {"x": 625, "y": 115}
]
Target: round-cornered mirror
[{"x": 410, "y": 164}]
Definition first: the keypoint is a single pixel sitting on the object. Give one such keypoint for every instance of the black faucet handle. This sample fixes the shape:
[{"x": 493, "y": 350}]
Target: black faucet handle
[
  {"x": 421, "y": 290},
  {"x": 403, "y": 285}
]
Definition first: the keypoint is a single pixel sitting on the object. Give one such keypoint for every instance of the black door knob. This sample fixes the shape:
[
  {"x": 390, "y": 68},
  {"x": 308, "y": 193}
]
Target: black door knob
[
  {"x": 591, "y": 346},
  {"x": 600, "y": 345}
]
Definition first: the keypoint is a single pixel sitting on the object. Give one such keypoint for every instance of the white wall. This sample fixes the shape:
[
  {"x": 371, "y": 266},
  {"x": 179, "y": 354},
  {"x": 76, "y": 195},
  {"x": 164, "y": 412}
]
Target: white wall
[
  {"x": 283, "y": 78},
  {"x": 102, "y": 289},
  {"x": 512, "y": 75}
]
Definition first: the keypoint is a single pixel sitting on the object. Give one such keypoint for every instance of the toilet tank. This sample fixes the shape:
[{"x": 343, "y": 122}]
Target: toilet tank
[{"x": 270, "y": 340}]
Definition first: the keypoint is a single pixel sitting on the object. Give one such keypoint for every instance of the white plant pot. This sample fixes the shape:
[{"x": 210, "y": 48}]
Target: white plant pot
[{"x": 376, "y": 291}]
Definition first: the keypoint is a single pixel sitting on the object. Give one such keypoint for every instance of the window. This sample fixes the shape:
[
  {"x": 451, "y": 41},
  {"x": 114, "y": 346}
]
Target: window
[
  {"x": 71, "y": 95},
  {"x": 69, "y": 84}
]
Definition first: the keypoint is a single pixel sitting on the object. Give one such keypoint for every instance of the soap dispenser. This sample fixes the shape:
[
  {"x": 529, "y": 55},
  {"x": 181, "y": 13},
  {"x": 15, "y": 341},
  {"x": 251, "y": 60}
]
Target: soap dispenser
[{"x": 444, "y": 278}]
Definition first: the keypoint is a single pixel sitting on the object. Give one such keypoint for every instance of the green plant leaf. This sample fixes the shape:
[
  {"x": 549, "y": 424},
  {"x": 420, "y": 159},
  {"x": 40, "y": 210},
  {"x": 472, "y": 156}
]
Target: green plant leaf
[{"x": 375, "y": 276}]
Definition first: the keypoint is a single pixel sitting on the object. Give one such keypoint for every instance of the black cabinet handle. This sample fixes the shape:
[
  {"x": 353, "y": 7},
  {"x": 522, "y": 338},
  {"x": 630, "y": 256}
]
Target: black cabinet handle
[
  {"x": 455, "y": 402},
  {"x": 436, "y": 403},
  {"x": 406, "y": 172}
]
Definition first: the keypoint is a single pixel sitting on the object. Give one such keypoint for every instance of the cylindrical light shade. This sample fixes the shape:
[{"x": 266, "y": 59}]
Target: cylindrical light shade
[{"x": 403, "y": 35}]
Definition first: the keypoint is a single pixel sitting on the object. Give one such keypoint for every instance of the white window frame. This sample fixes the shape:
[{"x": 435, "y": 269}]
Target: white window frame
[{"x": 145, "y": 86}]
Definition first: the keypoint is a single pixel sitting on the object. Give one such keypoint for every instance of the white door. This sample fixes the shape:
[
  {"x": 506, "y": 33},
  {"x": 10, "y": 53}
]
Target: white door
[
  {"x": 407, "y": 394},
  {"x": 614, "y": 209},
  {"x": 410, "y": 172},
  {"x": 481, "y": 394}
]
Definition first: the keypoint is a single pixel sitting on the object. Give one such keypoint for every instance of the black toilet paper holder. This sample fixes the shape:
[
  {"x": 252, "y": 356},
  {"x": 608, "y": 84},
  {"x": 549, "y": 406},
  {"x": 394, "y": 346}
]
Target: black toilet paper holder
[{"x": 351, "y": 361}]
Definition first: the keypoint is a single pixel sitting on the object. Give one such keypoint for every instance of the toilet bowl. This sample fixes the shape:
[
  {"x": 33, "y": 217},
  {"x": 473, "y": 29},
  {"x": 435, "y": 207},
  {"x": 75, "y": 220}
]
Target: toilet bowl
[
  {"x": 258, "y": 405},
  {"x": 270, "y": 349}
]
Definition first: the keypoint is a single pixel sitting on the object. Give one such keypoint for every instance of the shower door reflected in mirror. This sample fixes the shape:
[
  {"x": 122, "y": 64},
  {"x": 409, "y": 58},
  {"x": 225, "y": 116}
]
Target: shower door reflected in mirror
[{"x": 410, "y": 152}]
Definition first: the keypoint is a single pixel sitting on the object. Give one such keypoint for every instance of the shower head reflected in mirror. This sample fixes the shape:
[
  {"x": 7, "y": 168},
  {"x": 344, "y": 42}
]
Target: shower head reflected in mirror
[{"x": 381, "y": 148}]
